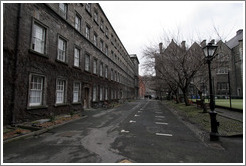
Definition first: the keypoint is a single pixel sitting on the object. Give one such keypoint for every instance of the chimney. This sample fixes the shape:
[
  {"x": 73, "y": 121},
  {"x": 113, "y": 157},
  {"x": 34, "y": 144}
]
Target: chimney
[
  {"x": 160, "y": 47},
  {"x": 183, "y": 45},
  {"x": 239, "y": 31},
  {"x": 203, "y": 43},
  {"x": 212, "y": 41}
]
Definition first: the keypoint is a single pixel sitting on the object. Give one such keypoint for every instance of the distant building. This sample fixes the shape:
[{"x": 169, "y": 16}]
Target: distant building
[
  {"x": 62, "y": 57},
  {"x": 226, "y": 67},
  {"x": 142, "y": 88}
]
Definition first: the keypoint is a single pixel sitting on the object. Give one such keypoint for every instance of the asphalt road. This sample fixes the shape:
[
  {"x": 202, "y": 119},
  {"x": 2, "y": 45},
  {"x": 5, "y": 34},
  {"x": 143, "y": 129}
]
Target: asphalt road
[{"x": 143, "y": 131}]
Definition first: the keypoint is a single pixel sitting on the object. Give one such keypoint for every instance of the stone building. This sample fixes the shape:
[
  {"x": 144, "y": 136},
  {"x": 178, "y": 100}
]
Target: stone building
[
  {"x": 226, "y": 70},
  {"x": 60, "y": 58}
]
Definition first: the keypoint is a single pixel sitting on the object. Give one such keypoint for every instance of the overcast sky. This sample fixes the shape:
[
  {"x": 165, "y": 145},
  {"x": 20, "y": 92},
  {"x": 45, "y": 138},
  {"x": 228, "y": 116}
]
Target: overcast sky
[{"x": 142, "y": 23}]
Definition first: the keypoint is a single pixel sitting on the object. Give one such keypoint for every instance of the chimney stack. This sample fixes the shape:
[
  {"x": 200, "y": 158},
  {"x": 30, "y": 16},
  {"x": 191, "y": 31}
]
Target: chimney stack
[
  {"x": 239, "y": 31},
  {"x": 203, "y": 43},
  {"x": 183, "y": 45},
  {"x": 160, "y": 47},
  {"x": 212, "y": 41}
]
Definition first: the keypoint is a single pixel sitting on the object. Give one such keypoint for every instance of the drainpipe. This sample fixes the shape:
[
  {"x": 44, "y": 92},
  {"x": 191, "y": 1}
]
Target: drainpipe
[{"x": 13, "y": 120}]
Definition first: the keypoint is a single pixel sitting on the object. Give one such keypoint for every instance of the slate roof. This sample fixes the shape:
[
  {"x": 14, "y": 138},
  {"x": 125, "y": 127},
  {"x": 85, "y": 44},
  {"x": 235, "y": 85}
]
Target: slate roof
[{"x": 234, "y": 41}]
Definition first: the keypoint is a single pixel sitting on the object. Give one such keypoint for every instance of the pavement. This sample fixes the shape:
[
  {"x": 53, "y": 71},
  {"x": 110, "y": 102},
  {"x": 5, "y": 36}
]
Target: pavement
[
  {"x": 142, "y": 131},
  {"x": 230, "y": 114}
]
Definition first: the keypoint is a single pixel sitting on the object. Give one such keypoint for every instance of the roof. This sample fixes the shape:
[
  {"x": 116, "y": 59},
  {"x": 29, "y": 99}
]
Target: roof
[
  {"x": 235, "y": 40},
  {"x": 134, "y": 56}
]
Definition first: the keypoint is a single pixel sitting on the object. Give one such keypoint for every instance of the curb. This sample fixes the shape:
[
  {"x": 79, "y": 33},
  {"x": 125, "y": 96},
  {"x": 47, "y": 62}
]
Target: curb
[{"x": 41, "y": 131}]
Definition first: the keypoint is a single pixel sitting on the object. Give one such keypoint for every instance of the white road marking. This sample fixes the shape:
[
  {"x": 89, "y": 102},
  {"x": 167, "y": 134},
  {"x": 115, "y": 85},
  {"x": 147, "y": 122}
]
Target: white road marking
[
  {"x": 136, "y": 115},
  {"x": 160, "y": 116},
  {"x": 139, "y": 111},
  {"x": 161, "y": 134},
  {"x": 161, "y": 123},
  {"x": 124, "y": 131},
  {"x": 132, "y": 121}
]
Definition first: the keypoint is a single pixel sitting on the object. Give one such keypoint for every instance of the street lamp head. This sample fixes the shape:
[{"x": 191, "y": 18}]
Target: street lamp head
[{"x": 209, "y": 50}]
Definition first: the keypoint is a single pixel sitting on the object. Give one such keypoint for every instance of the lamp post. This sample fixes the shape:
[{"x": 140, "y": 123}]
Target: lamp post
[{"x": 209, "y": 51}]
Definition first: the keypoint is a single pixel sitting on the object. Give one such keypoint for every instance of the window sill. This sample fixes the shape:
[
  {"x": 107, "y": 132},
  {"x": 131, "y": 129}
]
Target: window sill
[
  {"x": 61, "y": 104},
  {"x": 37, "y": 107},
  {"x": 76, "y": 67},
  {"x": 39, "y": 54},
  {"x": 65, "y": 63}
]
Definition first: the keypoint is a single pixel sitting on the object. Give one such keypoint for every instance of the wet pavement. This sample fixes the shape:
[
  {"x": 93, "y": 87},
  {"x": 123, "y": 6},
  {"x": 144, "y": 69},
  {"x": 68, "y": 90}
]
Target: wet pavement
[{"x": 143, "y": 131}]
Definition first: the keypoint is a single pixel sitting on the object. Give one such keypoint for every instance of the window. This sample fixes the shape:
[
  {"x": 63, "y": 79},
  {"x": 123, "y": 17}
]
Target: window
[
  {"x": 94, "y": 97},
  {"x": 106, "y": 93},
  {"x": 95, "y": 16},
  {"x": 112, "y": 74},
  {"x": 101, "y": 93},
  {"x": 60, "y": 91},
  {"x": 88, "y": 7},
  {"x": 95, "y": 39},
  {"x": 94, "y": 66},
  {"x": 101, "y": 45},
  {"x": 76, "y": 57},
  {"x": 222, "y": 86},
  {"x": 106, "y": 72},
  {"x": 63, "y": 10},
  {"x": 101, "y": 70},
  {"x": 38, "y": 38},
  {"x": 106, "y": 31},
  {"x": 87, "y": 62},
  {"x": 222, "y": 70},
  {"x": 101, "y": 24},
  {"x": 76, "y": 92},
  {"x": 62, "y": 44},
  {"x": 77, "y": 22},
  {"x": 36, "y": 91},
  {"x": 106, "y": 50},
  {"x": 87, "y": 32}
]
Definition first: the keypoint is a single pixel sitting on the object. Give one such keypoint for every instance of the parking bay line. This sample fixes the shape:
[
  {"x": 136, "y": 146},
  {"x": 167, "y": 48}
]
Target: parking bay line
[
  {"x": 162, "y": 134},
  {"x": 161, "y": 123},
  {"x": 160, "y": 116},
  {"x": 125, "y": 131}
]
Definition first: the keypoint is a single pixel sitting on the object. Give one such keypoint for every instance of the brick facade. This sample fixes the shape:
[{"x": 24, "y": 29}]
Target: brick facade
[{"x": 45, "y": 50}]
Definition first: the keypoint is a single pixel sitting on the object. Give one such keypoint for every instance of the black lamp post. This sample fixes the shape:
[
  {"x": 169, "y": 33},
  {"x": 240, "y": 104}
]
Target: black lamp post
[{"x": 209, "y": 51}]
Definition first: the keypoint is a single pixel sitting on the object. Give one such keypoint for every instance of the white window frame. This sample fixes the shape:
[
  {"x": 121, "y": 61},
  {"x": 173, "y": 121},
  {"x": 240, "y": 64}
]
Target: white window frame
[
  {"x": 76, "y": 57},
  {"x": 101, "y": 45},
  {"x": 101, "y": 69},
  {"x": 87, "y": 62},
  {"x": 94, "y": 93},
  {"x": 60, "y": 91},
  {"x": 94, "y": 66},
  {"x": 77, "y": 22},
  {"x": 36, "y": 90},
  {"x": 76, "y": 92},
  {"x": 62, "y": 49},
  {"x": 95, "y": 39},
  {"x": 106, "y": 72},
  {"x": 39, "y": 38},
  {"x": 106, "y": 94},
  {"x": 87, "y": 32},
  {"x": 63, "y": 8},
  {"x": 101, "y": 93}
]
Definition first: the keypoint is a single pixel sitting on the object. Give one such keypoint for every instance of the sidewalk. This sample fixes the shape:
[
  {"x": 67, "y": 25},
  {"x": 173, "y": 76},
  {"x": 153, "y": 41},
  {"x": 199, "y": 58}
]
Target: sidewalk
[{"x": 230, "y": 114}]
